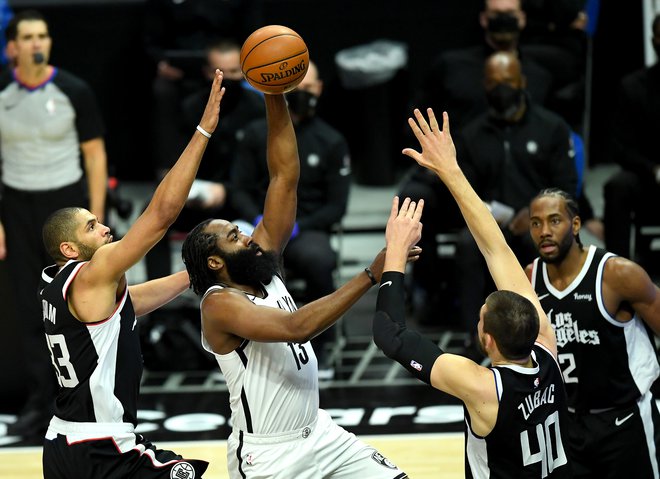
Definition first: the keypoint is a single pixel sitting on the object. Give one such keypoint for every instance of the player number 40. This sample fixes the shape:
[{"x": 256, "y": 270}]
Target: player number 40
[{"x": 547, "y": 435}]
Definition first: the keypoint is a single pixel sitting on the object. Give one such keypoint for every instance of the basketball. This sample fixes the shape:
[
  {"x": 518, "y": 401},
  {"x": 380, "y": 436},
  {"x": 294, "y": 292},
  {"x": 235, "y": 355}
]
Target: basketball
[{"x": 274, "y": 59}]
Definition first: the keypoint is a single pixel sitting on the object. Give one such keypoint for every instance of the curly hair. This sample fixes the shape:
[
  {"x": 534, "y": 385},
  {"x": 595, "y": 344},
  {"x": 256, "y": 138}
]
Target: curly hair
[{"x": 196, "y": 249}]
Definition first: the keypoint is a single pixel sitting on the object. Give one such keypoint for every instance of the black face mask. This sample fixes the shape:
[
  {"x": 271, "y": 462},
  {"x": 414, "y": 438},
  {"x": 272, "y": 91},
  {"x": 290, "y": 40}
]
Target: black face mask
[
  {"x": 302, "y": 104},
  {"x": 503, "y": 30},
  {"x": 504, "y": 101}
]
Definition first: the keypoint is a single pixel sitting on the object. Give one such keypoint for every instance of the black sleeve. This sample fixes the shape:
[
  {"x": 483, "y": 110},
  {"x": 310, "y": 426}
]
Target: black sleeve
[
  {"x": 89, "y": 122},
  {"x": 409, "y": 348}
]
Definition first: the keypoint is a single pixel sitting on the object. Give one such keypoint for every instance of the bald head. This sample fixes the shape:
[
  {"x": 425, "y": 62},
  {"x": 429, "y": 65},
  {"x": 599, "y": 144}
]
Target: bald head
[{"x": 503, "y": 68}]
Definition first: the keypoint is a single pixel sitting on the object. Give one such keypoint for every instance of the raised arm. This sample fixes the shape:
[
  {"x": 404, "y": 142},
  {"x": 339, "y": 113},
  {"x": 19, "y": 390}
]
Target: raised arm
[
  {"x": 439, "y": 155},
  {"x": 99, "y": 282},
  {"x": 274, "y": 230}
]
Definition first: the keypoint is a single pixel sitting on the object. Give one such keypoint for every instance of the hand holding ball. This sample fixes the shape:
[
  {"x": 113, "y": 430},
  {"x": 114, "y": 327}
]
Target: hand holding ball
[{"x": 274, "y": 59}]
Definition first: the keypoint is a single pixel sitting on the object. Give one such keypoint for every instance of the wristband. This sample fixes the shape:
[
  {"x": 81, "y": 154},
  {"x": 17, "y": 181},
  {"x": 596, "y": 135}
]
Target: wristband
[
  {"x": 203, "y": 131},
  {"x": 371, "y": 276}
]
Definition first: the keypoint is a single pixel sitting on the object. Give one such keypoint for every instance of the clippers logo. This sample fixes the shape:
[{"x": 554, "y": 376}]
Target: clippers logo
[
  {"x": 182, "y": 470},
  {"x": 415, "y": 365},
  {"x": 382, "y": 460}
]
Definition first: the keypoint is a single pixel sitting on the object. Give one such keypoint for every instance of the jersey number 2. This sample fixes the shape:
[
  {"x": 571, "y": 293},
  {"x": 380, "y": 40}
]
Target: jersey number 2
[
  {"x": 546, "y": 440},
  {"x": 66, "y": 374}
]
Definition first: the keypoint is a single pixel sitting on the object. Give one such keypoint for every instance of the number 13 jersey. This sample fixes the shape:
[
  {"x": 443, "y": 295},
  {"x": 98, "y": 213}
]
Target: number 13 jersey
[
  {"x": 98, "y": 365},
  {"x": 273, "y": 387}
]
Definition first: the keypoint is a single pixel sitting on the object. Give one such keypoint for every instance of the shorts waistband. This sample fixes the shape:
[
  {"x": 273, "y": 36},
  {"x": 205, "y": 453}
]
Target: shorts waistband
[
  {"x": 573, "y": 410},
  {"x": 275, "y": 438},
  {"x": 89, "y": 429}
]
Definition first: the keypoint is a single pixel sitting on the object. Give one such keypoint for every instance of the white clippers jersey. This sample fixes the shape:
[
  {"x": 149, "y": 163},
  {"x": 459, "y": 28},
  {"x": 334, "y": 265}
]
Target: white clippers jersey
[{"x": 273, "y": 387}]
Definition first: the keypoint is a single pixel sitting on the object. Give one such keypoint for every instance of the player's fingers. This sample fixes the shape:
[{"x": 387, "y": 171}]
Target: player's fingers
[
  {"x": 418, "y": 211},
  {"x": 404, "y": 207},
  {"x": 415, "y": 129},
  {"x": 414, "y": 154},
  {"x": 445, "y": 123},
  {"x": 423, "y": 125},
  {"x": 395, "y": 207},
  {"x": 433, "y": 120}
]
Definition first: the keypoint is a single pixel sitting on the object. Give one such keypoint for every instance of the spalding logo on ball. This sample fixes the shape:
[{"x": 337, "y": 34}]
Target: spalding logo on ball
[{"x": 274, "y": 59}]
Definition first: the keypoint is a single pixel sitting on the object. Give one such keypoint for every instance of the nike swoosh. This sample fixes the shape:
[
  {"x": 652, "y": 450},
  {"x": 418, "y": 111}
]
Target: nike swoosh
[
  {"x": 386, "y": 283},
  {"x": 618, "y": 421},
  {"x": 544, "y": 296}
]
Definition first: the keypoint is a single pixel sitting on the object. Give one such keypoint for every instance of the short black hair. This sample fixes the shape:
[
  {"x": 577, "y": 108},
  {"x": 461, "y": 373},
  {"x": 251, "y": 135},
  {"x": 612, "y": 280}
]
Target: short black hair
[
  {"x": 12, "y": 27},
  {"x": 196, "y": 249},
  {"x": 59, "y": 227},
  {"x": 513, "y": 322},
  {"x": 572, "y": 207}
]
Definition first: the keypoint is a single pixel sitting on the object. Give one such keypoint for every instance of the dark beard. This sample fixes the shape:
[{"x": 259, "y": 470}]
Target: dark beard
[
  {"x": 247, "y": 268},
  {"x": 562, "y": 250}
]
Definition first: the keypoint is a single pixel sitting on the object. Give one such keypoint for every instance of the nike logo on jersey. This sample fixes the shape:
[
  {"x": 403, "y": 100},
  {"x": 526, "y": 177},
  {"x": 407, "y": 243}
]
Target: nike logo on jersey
[
  {"x": 544, "y": 296},
  {"x": 386, "y": 283},
  {"x": 618, "y": 421}
]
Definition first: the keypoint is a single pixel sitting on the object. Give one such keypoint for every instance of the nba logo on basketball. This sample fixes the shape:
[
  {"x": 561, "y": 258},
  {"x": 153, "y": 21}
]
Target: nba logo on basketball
[{"x": 182, "y": 470}]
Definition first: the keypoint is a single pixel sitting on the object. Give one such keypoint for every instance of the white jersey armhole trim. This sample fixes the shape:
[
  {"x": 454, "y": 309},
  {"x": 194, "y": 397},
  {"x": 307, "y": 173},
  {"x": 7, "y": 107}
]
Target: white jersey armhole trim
[{"x": 599, "y": 295}]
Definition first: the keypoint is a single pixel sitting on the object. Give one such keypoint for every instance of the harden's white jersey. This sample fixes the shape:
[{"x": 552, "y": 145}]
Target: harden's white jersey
[{"x": 273, "y": 387}]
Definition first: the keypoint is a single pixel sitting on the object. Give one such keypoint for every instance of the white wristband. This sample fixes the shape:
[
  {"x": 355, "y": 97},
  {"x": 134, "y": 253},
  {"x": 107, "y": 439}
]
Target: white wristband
[{"x": 203, "y": 131}]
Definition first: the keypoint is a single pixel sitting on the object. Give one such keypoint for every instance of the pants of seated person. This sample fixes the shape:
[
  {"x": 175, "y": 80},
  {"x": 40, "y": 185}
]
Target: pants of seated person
[
  {"x": 474, "y": 281},
  {"x": 311, "y": 257},
  {"x": 626, "y": 195},
  {"x": 159, "y": 259},
  {"x": 441, "y": 215}
]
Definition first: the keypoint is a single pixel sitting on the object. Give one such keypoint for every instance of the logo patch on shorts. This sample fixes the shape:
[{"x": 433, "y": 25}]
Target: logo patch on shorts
[
  {"x": 182, "y": 470},
  {"x": 382, "y": 460}
]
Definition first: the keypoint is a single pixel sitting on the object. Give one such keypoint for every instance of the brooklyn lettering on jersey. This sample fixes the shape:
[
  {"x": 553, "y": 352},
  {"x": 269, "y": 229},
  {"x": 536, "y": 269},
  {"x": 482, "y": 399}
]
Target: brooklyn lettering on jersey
[
  {"x": 268, "y": 77},
  {"x": 536, "y": 399},
  {"x": 567, "y": 330},
  {"x": 287, "y": 304},
  {"x": 49, "y": 311}
]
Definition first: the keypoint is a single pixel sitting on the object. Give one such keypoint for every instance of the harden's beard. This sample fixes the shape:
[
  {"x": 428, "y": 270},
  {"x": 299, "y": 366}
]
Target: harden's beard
[{"x": 247, "y": 268}]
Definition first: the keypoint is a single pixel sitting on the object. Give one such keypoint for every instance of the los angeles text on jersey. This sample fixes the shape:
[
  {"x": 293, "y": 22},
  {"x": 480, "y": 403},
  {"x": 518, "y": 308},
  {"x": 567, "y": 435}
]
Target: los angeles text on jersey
[
  {"x": 536, "y": 399},
  {"x": 49, "y": 311},
  {"x": 567, "y": 330}
]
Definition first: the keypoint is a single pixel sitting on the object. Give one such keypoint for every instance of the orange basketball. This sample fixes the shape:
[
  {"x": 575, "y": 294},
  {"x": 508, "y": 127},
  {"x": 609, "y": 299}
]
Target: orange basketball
[{"x": 274, "y": 59}]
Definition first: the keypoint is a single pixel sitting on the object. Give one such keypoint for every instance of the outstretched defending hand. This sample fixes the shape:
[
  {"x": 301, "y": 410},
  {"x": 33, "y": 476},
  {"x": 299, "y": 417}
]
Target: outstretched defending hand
[
  {"x": 438, "y": 151},
  {"x": 209, "y": 120},
  {"x": 404, "y": 229}
]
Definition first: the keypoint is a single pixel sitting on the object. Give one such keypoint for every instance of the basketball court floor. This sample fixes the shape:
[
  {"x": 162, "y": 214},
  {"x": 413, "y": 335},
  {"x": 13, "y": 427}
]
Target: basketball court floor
[{"x": 186, "y": 409}]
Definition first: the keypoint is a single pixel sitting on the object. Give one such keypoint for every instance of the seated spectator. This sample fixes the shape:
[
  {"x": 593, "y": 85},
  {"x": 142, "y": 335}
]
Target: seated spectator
[
  {"x": 176, "y": 36},
  {"x": 211, "y": 190},
  {"x": 454, "y": 83},
  {"x": 632, "y": 195},
  {"x": 323, "y": 190},
  {"x": 508, "y": 155}
]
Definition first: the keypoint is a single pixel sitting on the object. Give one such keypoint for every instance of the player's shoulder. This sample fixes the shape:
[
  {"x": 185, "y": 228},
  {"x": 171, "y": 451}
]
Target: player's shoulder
[{"x": 620, "y": 271}]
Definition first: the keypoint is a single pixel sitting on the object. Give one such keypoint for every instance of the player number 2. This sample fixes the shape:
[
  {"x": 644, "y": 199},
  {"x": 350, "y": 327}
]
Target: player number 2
[
  {"x": 567, "y": 361},
  {"x": 66, "y": 374},
  {"x": 547, "y": 436}
]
